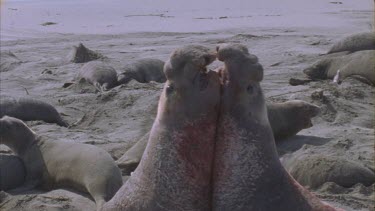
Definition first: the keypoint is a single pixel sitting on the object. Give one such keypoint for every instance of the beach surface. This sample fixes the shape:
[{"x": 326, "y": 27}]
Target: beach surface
[{"x": 287, "y": 37}]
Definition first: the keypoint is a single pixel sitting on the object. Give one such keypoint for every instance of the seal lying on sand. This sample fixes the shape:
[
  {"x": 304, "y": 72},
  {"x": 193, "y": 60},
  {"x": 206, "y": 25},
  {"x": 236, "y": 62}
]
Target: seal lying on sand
[
  {"x": 12, "y": 172},
  {"x": 358, "y": 64},
  {"x": 28, "y": 109},
  {"x": 315, "y": 170},
  {"x": 356, "y": 42},
  {"x": 175, "y": 171},
  {"x": 53, "y": 164},
  {"x": 99, "y": 74},
  {"x": 143, "y": 71},
  {"x": 247, "y": 172},
  {"x": 288, "y": 118}
]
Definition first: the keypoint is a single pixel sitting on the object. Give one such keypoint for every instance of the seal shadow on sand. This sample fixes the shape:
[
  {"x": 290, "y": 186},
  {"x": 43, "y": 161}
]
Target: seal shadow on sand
[{"x": 296, "y": 142}]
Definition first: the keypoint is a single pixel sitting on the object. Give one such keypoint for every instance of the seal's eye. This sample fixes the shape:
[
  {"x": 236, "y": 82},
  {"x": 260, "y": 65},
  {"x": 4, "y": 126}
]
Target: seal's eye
[
  {"x": 169, "y": 89},
  {"x": 250, "y": 89}
]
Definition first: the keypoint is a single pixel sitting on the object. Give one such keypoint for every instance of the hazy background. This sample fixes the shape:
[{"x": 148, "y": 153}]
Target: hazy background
[{"x": 22, "y": 18}]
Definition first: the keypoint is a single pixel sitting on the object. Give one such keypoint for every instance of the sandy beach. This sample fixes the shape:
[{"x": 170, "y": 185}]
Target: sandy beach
[{"x": 287, "y": 37}]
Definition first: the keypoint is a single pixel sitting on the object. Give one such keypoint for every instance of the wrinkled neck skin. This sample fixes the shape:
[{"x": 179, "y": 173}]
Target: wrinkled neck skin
[
  {"x": 175, "y": 170},
  {"x": 247, "y": 172}
]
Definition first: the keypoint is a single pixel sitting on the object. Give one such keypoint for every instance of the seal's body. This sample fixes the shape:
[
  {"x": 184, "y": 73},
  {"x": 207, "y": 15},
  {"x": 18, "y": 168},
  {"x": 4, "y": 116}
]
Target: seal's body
[
  {"x": 99, "y": 74},
  {"x": 175, "y": 170},
  {"x": 360, "y": 63},
  {"x": 247, "y": 172},
  {"x": 356, "y": 42},
  {"x": 54, "y": 164},
  {"x": 288, "y": 118},
  {"x": 143, "y": 71},
  {"x": 12, "y": 172},
  {"x": 28, "y": 109}
]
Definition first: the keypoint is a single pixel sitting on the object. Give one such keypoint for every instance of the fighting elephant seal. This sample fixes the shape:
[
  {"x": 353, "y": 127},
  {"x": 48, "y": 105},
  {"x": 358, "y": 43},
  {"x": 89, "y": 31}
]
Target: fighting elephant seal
[
  {"x": 51, "y": 164},
  {"x": 12, "y": 172},
  {"x": 99, "y": 74},
  {"x": 360, "y": 63},
  {"x": 175, "y": 171},
  {"x": 143, "y": 71},
  {"x": 28, "y": 109},
  {"x": 356, "y": 42},
  {"x": 288, "y": 118},
  {"x": 247, "y": 172}
]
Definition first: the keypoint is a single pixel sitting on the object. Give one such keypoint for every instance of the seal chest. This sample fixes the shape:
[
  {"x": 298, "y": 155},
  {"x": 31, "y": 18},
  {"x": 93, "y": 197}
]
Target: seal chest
[
  {"x": 247, "y": 173},
  {"x": 175, "y": 170}
]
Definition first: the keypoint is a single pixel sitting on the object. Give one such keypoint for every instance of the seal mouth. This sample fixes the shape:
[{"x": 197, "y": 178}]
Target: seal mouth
[{"x": 201, "y": 77}]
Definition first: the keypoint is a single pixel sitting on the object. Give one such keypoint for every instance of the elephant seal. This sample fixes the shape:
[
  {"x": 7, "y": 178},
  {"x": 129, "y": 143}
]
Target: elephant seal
[
  {"x": 360, "y": 63},
  {"x": 143, "y": 71},
  {"x": 175, "y": 170},
  {"x": 247, "y": 172},
  {"x": 288, "y": 118},
  {"x": 28, "y": 109},
  {"x": 12, "y": 172},
  {"x": 99, "y": 74},
  {"x": 54, "y": 164},
  {"x": 315, "y": 170},
  {"x": 131, "y": 158},
  {"x": 356, "y": 42}
]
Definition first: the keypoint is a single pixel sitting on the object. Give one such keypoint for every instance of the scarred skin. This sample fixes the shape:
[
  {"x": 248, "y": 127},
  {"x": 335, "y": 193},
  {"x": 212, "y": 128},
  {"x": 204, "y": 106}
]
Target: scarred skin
[
  {"x": 247, "y": 173},
  {"x": 175, "y": 170}
]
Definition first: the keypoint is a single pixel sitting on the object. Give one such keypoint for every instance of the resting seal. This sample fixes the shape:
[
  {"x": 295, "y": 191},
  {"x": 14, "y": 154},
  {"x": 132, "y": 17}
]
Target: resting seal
[
  {"x": 28, "y": 109},
  {"x": 12, "y": 172},
  {"x": 356, "y": 42},
  {"x": 99, "y": 74},
  {"x": 247, "y": 172},
  {"x": 288, "y": 118},
  {"x": 175, "y": 171},
  {"x": 315, "y": 170},
  {"x": 51, "y": 164},
  {"x": 143, "y": 71},
  {"x": 360, "y": 63}
]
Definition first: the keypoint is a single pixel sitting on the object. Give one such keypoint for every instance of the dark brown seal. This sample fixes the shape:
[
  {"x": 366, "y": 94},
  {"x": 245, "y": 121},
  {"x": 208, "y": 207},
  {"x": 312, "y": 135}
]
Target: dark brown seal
[
  {"x": 29, "y": 109},
  {"x": 12, "y": 172},
  {"x": 143, "y": 71},
  {"x": 175, "y": 170},
  {"x": 247, "y": 172}
]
